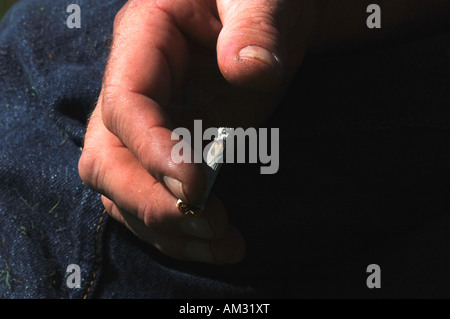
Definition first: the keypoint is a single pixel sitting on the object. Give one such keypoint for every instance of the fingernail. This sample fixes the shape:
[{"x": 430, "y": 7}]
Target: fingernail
[
  {"x": 197, "y": 227},
  {"x": 199, "y": 250},
  {"x": 261, "y": 54},
  {"x": 176, "y": 187}
]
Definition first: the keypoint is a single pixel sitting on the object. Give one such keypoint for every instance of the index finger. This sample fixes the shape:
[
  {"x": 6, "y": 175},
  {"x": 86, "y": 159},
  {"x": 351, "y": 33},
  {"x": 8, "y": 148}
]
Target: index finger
[{"x": 146, "y": 65}]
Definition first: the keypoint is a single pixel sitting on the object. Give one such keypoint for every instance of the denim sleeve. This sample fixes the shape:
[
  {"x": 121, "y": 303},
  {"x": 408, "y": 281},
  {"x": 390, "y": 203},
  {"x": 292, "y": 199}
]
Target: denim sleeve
[{"x": 363, "y": 179}]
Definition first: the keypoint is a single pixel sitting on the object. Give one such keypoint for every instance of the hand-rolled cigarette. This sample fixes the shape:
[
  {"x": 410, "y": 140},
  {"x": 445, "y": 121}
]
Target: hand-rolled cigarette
[{"x": 214, "y": 161}]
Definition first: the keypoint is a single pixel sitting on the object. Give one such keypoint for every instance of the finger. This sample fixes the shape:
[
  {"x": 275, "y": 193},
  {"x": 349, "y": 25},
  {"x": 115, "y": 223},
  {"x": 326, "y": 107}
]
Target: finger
[
  {"x": 146, "y": 66},
  {"x": 119, "y": 15},
  {"x": 252, "y": 45},
  {"x": 199, "y": 20},
  {"x": 229, "y": 249},
  {"x": 109, "y": 168}
]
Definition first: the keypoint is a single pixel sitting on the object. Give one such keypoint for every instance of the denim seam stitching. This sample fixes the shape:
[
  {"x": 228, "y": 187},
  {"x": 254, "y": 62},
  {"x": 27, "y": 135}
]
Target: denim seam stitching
[{"x": 96, "y": 256}]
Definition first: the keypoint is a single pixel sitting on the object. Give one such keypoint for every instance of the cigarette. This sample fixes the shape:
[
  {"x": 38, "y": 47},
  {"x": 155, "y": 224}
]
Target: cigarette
[{"x": 213, "y": 164}]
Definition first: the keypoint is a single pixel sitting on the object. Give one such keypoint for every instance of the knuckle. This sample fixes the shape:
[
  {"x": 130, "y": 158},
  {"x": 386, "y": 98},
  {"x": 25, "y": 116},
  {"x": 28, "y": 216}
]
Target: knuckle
[
  {"x": 146, "y": 212},
  {"x": 118, "y": 17},
  {"x": 145, "y": 147},
  {"x": 144, "y": 153},
  {"x": 262, "y": 20},
  {"x": 150, "y": 4},
  {"x": 259, "y": 23},
  {"x": 258, "y": 18},
  {"x": 110, "y": 94}
]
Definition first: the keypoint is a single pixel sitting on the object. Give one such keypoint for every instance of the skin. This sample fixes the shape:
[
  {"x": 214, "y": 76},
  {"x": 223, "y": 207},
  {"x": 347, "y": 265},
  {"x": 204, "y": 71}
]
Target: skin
[{"x": 173, "y": 61}]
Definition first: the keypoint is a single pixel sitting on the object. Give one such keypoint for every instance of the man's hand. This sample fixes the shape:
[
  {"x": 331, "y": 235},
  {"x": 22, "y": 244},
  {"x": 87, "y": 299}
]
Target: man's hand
[{"x": 173, "y": 61}]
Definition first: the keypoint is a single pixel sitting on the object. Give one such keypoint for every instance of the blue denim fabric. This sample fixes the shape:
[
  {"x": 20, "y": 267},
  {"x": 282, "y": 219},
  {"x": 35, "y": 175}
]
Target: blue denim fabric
[{"x": 364, "y": 171}]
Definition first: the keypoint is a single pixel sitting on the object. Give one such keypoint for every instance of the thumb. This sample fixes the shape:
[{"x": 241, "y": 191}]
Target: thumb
[{"x": 251, "y": 47}]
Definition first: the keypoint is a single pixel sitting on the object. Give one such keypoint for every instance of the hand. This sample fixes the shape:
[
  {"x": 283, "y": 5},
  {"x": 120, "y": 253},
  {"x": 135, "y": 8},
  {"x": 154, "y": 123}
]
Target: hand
[{"x": 173, "y": 61}]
